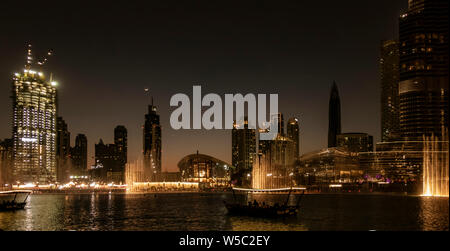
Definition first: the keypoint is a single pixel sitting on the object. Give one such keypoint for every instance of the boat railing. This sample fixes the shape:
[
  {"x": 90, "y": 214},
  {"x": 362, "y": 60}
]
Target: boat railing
[{"x": 274, "y": 190}]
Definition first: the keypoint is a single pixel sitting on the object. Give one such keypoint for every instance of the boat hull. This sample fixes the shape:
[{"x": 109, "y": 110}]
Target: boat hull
[{"x": 13, "y": 200}]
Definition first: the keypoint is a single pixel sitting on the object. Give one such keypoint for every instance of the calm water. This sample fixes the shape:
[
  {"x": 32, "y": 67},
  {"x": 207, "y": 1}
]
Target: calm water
[{"x": 206, "y": 212}]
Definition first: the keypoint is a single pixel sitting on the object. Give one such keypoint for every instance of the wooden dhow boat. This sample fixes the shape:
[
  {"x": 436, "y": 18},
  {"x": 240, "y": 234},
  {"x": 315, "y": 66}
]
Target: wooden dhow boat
[
  {"x": 13, "y": 200},
  {"x": 258, "y": 210}
]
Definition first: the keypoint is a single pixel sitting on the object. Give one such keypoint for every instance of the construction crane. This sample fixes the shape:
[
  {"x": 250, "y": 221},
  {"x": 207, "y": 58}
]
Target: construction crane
[{"x": 41, "y": 62}]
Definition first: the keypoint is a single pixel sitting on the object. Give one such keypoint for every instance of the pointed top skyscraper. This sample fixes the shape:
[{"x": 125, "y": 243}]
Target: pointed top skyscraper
[
  {"x": 152, "y": 144},
  {"x": 334, "y": 116}
]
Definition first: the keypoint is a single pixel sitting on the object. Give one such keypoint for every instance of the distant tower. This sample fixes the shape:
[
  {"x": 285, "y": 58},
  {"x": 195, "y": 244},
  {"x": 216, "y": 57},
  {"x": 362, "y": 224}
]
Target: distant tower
[
  {"x": 389, "y": 68},
  {"x": 293, "y": 134},
  {"x": 79, "y": 156},
  {"x": 62, "y": 151},
  {"x": 264, "y": 145},
  {"x": 152, "y": 144},
  {"x": 334, "y": 116},
  {"x": 280, "y": 124},
  {"x": 120, "y": 140},
  {"x": 34, "y": 124},
  {"x": 109, "y": 165},
  {"x": 243, "y": 151},
  {"x": 274, "y": 164}
]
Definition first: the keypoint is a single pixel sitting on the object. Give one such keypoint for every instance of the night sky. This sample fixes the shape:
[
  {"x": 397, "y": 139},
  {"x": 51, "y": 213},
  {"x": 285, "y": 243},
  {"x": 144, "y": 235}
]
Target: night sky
[{"x": 106, "y": 53}]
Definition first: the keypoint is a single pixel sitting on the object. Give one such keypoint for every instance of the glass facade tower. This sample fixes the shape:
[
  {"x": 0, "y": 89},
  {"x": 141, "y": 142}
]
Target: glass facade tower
[
  {"x": 152, "y": 145},
  {"x": 423, "y": 87},
  {"x": 33, "y": 126},
  {"x": 389, "y": 68},
  {"x": 243, "y": 151}
]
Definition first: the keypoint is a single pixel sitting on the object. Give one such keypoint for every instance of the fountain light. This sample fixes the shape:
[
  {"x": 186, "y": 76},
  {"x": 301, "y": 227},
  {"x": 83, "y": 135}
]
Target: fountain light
[{"x": 436, "y": 166}]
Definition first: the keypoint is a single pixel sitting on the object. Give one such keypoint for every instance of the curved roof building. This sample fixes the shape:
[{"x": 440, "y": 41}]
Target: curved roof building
[
  {"x": 331, "y": 165},
  {"x": 204, "y": 169}
]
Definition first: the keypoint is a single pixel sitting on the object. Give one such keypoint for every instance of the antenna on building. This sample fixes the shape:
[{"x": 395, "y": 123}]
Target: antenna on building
[
  {"x": 40, "y": 62},
  {"x": 147, "y": 91},
  {"x": 29, "y": 58},
  {"x": 44, "y": 59}
]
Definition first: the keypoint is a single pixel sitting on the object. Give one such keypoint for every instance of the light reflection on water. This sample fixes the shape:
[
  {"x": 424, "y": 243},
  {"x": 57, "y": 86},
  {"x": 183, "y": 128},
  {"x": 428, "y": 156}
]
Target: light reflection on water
[
  {"x": 263, "y": 224},
  {"x": 206, "y": 212},
  {"x": 428, "y": 209}
]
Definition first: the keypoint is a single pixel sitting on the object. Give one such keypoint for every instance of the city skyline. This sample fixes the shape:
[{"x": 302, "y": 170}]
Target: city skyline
[
  {"x": 250, "y": 116},
  {"x": 105, "y": 92}
]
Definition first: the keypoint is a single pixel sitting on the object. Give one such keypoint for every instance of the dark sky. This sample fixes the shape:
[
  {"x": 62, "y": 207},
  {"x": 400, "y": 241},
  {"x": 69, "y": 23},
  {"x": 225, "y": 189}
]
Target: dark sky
[{"x": 106, "y": 53}]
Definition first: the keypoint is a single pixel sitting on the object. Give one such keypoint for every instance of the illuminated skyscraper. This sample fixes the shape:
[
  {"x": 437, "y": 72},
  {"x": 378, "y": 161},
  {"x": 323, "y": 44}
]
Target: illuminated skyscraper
[
  {"x": 423, "y": 87},
  {"x": 334, "y": 116},
  {"x": 34, "y": 125},
  {"x": 293, "y": 134},
  {"x": 243, "y": 151},
  {"x": 152, "y": 145},
  {"x": 264, "y": 145},
  {"x": 274, "y": 165},
  {"x": 389, "y": 68}
]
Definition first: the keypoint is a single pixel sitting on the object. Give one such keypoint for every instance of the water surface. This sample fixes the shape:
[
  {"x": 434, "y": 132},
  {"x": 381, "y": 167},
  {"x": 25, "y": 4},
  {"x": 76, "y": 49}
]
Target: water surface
[{"x": 195, "y": 211}]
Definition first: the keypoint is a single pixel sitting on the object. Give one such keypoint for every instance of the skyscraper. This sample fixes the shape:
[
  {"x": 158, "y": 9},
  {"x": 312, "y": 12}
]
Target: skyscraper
[
  {"x": 243, "y": 151},
  {"x": 34, "y": 125},
  {"x": 423, "y": 87},
  {"x": 293, "y": 134},
  {"x": 120, "y": 140},
  {"x": 108, "y": 162},
  {"x": 62, "y": 151},
  {"x": 334, "y": 116},
  {"x": 389, "y": 68},
  {"x": 6, "y": 157},
  {"x": 280, "y": 124},
  {"x": 152, "y": 144},
  {"x": 264, "y": 145},
  {"x": 274, "y": 164},
  {"x": 79, "y": 156}
]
